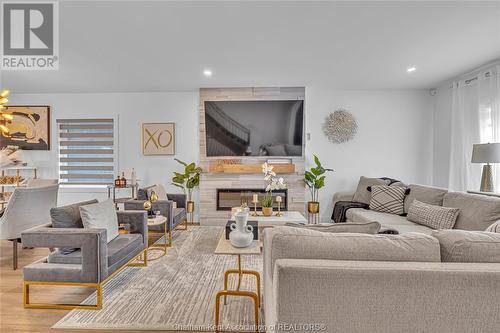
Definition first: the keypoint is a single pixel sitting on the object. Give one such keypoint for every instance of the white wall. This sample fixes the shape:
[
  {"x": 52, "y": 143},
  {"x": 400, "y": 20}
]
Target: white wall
[
  {"x": 442, "y": 135},
  {"x": 394, "y": 139},
  {"x": 132, "y": 109}
]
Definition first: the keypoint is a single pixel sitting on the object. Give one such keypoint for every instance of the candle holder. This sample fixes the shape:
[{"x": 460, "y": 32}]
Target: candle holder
[
  {"x": 254, "y": 208},
  {"x": 278, "y": 214}
]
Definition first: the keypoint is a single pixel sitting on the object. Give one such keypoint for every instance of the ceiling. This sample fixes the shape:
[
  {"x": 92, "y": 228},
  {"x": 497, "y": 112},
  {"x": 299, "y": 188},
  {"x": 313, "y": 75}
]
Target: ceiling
[{"x": 136, "y": 46}]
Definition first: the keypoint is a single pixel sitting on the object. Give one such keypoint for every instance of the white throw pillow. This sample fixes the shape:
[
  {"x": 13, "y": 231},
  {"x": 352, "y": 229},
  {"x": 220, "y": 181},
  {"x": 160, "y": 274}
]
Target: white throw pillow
[{"x": 101, "y": 215}]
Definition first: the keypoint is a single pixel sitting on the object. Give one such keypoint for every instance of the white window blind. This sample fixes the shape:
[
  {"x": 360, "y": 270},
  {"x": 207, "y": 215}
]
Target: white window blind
[{"x": 86, "y": 151}]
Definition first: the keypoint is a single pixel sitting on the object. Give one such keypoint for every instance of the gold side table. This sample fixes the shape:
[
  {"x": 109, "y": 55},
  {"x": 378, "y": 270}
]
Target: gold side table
[
  {"x": 225, "y": 247},
  {"x": 156, "y": 221}
]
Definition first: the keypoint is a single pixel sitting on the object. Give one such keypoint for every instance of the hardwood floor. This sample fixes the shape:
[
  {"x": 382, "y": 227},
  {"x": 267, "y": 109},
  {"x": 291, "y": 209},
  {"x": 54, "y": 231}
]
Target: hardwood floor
[{"x": 13, "y": 316}]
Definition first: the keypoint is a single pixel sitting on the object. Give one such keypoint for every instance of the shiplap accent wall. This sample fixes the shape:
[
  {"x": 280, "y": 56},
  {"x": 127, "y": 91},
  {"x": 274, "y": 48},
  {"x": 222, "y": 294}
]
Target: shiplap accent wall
[{"x": 210, "y": 182}]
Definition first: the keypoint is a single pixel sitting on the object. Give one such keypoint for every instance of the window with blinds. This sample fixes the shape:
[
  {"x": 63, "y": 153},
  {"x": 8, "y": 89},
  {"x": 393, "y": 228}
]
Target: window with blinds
[{"x": 86, "y": 151}]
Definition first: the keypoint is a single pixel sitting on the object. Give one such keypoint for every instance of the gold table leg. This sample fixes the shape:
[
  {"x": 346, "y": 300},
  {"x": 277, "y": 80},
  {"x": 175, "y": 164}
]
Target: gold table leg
[{"x": 226, "y": 292}]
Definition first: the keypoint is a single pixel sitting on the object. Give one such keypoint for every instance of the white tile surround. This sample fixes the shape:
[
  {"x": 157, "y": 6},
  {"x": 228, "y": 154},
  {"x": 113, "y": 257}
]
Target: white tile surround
[{"x": 210, "y": 182}]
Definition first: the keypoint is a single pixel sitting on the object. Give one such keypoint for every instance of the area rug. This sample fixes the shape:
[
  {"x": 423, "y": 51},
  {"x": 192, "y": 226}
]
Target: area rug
[{"x": 175, "y": 292}]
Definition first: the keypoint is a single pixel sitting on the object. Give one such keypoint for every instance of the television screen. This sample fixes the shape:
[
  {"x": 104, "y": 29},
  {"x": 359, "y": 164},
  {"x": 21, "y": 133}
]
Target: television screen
[{"x": 254, "y": 128}]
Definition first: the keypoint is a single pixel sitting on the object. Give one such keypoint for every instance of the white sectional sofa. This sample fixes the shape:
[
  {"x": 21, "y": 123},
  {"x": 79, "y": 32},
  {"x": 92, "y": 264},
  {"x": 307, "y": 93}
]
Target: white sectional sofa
[
  {"x": 357, "y": 283},
  {"x": 477, "y": 212}
]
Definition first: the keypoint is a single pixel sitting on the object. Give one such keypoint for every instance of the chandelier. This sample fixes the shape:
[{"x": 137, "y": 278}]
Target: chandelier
[{"x": 5, "y": 117}]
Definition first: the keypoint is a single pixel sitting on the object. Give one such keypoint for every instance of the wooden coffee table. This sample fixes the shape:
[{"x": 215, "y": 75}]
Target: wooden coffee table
[{"x": 225, "y": 247}]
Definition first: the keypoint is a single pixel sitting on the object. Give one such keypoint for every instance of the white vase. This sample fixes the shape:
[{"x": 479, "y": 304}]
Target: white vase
[{"x": 241, "y": 234}]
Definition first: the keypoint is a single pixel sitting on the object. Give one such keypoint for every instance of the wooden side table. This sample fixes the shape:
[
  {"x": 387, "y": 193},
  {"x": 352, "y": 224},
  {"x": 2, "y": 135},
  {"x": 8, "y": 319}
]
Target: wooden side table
[
  {"x": 225, "y": 247},
  {"x": 154, "y": 221}
]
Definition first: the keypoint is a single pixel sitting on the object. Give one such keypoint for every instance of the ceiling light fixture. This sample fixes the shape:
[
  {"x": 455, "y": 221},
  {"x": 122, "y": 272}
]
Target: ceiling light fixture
[
  {"x": 207, "y": 72},
  {"x": 411, "y": 69}
]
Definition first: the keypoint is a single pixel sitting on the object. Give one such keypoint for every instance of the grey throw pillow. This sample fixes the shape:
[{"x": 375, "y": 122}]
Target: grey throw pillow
[
  {"x": 362, "y": 194},
  {"x": 101, "y": 215},
  {"x": 371, "y": 228},
  {"x": 388, "y": 199},
  {"x": 435, "y": 217},
  {"x": 68, "y": 216},
  {"x": 468, "y": 246}
]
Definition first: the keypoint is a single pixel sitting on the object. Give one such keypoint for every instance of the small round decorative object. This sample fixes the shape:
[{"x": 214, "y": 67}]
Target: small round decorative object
[
  {"x": 154, "y": 197},
  {"x": 340, "y": 126},
  {"x": 147, "y": 205}
]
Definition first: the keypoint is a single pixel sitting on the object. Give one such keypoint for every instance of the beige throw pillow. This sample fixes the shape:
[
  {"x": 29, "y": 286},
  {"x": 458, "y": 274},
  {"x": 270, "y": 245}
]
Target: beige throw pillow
[
  {"x": 435, "y": 217},
  {"x": 495, "y": 227},
  {"x": 101, "y": 215},
  {"x": 362, "y": 194},
  {"x": 388, "y": 199}
]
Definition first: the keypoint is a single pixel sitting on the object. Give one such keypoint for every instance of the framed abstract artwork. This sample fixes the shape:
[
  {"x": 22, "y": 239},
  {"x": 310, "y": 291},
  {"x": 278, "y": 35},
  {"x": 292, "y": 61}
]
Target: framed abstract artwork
[
  {"x": 158, "y": 138},
  {"x": 29, "y": 128}
]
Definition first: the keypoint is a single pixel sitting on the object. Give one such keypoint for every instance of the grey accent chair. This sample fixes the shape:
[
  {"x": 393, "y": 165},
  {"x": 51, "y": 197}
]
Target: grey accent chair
[
  {"x": 28, "y": 207},
  {"x": 172, "y": 206},
  {"x": 94, "y": 261}
]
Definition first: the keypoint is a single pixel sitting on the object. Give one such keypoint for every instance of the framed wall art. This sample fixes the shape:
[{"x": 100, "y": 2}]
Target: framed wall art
[
  {"x": 158, "y": 138},
  {"x": 29, "y": 128}
]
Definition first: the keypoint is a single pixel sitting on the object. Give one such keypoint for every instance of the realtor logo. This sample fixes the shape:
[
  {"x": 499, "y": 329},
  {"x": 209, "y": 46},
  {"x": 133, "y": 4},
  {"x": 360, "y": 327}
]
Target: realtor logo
[{"x": 30, "y": 36}]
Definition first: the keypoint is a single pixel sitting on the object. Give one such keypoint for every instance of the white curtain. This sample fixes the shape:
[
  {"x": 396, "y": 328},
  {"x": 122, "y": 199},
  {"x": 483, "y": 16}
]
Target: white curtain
[{"x": 475, "y": 119}]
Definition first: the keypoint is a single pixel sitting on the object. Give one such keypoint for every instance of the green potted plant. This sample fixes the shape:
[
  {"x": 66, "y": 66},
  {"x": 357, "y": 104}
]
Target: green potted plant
[
  {"x": 188, "y": 181},
  {"x": 315, "y": 180}
]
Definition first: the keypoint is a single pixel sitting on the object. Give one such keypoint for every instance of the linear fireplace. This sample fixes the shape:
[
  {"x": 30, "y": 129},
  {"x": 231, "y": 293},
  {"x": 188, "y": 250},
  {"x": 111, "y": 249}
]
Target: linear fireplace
[{"x": 228, "y": 198}]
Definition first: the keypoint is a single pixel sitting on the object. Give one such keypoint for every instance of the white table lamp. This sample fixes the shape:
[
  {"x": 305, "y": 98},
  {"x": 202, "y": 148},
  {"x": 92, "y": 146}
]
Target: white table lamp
[{"x": 486, "y": 153}]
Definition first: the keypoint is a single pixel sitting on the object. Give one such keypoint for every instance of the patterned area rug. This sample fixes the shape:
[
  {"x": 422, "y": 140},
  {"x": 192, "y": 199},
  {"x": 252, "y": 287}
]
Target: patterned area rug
[{"x": 176, "y": 292}]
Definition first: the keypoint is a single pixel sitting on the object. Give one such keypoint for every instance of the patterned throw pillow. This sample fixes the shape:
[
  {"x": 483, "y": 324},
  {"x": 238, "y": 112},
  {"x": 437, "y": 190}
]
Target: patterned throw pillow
[
  {"x": 388, "y": 199},
  {"x": 435, "y": 217}
]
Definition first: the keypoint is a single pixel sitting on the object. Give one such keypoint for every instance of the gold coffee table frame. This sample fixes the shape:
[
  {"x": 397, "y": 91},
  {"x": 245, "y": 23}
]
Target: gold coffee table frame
[
  {"x": 155, "y": 221},
  {"x": 224, "y": 247}
]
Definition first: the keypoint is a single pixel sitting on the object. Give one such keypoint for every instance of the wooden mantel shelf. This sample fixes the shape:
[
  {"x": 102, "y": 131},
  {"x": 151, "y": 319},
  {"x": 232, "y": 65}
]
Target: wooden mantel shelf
[{"x": 249, "y": 168}]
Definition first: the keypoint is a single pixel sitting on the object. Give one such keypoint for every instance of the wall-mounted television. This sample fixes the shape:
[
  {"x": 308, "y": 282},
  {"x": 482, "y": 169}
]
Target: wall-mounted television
[{"x": 254, "y": 128}]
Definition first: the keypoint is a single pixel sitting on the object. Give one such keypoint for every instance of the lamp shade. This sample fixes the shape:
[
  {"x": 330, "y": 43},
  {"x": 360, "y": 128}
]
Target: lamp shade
[{"x": 486, "y": 153}]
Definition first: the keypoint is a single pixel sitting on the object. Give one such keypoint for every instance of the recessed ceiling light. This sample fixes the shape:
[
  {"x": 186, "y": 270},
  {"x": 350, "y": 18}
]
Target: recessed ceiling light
[
  {"x": 207, "y": 72},
  {"x": 411, "y": 69}
]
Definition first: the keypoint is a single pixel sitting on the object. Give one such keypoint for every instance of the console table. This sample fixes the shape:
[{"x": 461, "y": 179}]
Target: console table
[{"x": 273, "y": 221}]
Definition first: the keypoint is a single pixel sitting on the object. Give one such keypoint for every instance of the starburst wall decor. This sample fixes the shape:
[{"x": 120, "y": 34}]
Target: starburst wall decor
[{"x": 340, "y": 126}]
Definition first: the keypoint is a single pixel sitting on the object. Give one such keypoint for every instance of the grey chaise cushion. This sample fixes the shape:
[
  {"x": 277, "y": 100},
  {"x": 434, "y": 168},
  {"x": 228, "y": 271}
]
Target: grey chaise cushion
[
  {"x": 477, "y": 212},
  {"x": 389, "y": 221},
  {"x": 118, "y": 249},
  {"x": 362, "y": 194},
  {"x": 371, "y": 228},
  {"x": 299, "y": 243},
  {"x": 468, "y": 246},
  {"x": 426, "y": 194},
  {"x": 68, "y": 216}
]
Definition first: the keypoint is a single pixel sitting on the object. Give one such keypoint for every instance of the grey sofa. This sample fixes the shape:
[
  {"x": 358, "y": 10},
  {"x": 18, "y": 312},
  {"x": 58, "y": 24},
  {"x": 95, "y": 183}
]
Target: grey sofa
[
  {"x": 172, "y": 206},
  {"x": 374, "y": 283},
  {"x": 477, "y": 212},
  {"x": 93, "y": 263}
]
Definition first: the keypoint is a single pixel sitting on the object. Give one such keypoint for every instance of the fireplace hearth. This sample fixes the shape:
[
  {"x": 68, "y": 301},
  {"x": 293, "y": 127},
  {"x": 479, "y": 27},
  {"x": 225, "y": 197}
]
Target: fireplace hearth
[{"x": 228, "y": 198}]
